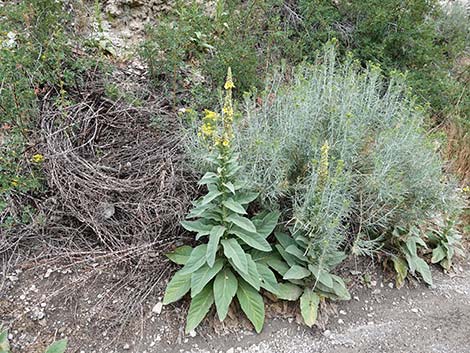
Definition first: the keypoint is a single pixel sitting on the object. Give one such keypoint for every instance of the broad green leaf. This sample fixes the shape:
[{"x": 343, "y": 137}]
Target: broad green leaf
[
  {"x": 438, "y": 254},
  {"x": 245, "y": 197},
  {"x": 234, "y": 206},
  {"x": 198, "y": 211},
  {"x": 252, "y": 276},
  {"x": 4, "y": 344},
  {"x": 294, "y": 250},
  {"x": 180, "y": 255},
  {"x": 284, "y": 239},
  {"x": 252, "y": 239},
  {"x": 200, "y": 226},
  {"x": 268, "y": 279},
  {"x": 178, "y": 286},
  {"x": 289, "y": 291},
  {"x": 209, "y": 178},
  {"x": 263, "y": 256},
  {"x": 423, "y": 268},
  {"x": 321, "y": 275},
  {"x": 229, "y": 186},
  {"x": 242, "y": 222},
  {"x": 266, "y": 225},
  {"x": 309, "y": 302},
  {"x": 234, "y": 251},
  {"x": 411, "y": 246},
  {"x": 290, "y": 259},
  {"x": 252, "y": 304},
  {"x": 57, "y": 347},
  {"x": 201, "y": 277},
  {"x": 339, "y": 288},
  {"x": 225, "y": 288},
  {"x": 199, "y": 308},
  {"x": 196, "y": 259},
  {"x": 401, "y": 269},
  {"x": 210, "y": 196},
  {"x": 297, "y": 272},
  {"x": 213, "y": 244},
  {"x": 279, "y": 266}
]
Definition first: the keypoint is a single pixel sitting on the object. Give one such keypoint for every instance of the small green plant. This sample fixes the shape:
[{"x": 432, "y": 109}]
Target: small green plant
[
  {"x": 445, "y": 241},
  {"x": 407, "y": 242},
  {"x": 228, "y": 264},
  {"x": 56, "y": 347}
]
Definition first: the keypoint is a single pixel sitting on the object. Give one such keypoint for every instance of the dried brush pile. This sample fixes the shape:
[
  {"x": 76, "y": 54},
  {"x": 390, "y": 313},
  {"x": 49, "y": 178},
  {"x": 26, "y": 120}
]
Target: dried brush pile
[{"x": 111, "y": 173}]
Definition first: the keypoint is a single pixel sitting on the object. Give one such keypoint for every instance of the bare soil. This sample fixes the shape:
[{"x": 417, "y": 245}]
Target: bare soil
[{"x": 43, "y": 302}]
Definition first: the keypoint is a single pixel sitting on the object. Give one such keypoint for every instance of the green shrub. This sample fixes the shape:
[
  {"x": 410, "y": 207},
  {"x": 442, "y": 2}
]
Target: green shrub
[{"x": 191, "y": 47}]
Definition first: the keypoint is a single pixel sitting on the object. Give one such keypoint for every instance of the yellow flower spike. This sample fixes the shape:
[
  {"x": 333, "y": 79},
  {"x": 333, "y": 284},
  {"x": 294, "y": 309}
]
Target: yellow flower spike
[
  {"x": 37, "y": 158},
  {"x": 229, "y": 83},
  {"x": 324, "y": 164},
  {"x": 14, "y": 182}
]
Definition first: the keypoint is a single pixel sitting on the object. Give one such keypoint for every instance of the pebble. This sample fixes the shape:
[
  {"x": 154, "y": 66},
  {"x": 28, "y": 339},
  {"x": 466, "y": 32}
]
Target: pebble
[
  {"x": 342, "y": 312},
  {"x": 192, "y": 333},
  {"x": 390, "y": 285},
  {"x": 157, "y": 309},
  {"x": 230, "y": 350},
  {"x": 126, "y": 346},
  {"x": 22, "y": 297},
  {"x": 414, "y": 310},
  {"x": 340, "y": 321},
  {"x": 327, "y": 333}
]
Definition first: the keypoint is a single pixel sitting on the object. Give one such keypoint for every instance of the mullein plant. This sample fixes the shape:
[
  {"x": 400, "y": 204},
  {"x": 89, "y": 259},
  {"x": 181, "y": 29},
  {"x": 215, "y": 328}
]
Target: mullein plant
[
  {"x": 307, "y": 250},
  {"x": 232, "y": 261}
]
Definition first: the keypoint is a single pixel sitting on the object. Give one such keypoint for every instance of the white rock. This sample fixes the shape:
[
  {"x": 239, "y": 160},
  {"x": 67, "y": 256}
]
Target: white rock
[
  {"x": 157, "y": 308},
  {"x": 126, "y": 346},
  {"x": 414, "y": 310},
  {"x": 340, "y": 321},
  {"x": 390, "y": 285},
  {"x": 230, "y": 350},
  {"x": 192, "y": 333},
  {"x": 327, "y": 333},
  {"x": 342, "y": 312}
]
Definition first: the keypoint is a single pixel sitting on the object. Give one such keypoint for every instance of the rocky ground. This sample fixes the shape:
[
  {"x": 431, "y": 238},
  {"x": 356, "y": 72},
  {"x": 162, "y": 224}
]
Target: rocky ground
[{"x": 84, "y": 305}]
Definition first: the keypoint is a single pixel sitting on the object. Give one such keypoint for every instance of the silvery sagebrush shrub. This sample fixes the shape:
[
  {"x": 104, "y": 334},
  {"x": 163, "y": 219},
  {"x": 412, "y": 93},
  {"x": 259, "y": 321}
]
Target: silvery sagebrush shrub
[{"x": 345, "y": 156}]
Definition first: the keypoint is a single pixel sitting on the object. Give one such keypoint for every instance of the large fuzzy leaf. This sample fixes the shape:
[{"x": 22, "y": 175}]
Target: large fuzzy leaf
[
  {"x": 289, "y": 291},
  {"x": 199, "y": 308},
  {"x": 201, "y": 226},
  {"x": 284, "y": 239},
  {"x": 180, "y": 255},
  {"x": 254, "y": 240},
  {"x": 290, "y": 259},
  {"x": 178, "y": 286},
  {"x": 294, "y": 250},
  {"x": 209, "y": 178},
  {"x": 321, "y": 275},
  {"x": 252, "y": 304},
  {"x": 309, "y": 302},
  {"x": 234, "y": 206},
  {"x": 278, "y": 265},
  {"x": 297, "y": 272},
  {"x": 252, "y": 276},
  {"x": 196, "y": 259},
  {"x": 266, "y": 225},
  {"x": 225, "y": 288},
  {"x": 57, "y": 347},
  {"x": 210, "y": 196},
  {"x": 213, "y": 244},
  {"x": 242, "y": 222},
  {"x": 423, "y": 268},
  {"x": 245, "y": 197},
  {"x": 201, "y": 277},
  {"x": 438, "y": 254},
  {"x": 268, "y": 279},
  {"x": 234, "y": 251}
]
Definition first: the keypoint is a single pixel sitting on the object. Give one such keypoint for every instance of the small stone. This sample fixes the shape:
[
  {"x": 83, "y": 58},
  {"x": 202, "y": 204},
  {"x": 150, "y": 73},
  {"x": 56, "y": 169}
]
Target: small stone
[
  {"x": 356, "y": 298},
  {"x": 327, "y": 333},
  {"x": 230, "y": 350},
  {"x": 192, "y": 333},
  {"x": 22, "y": 297},
  {"x": 126, "y": 346},
  {"x": 342, "y": 312},
  {"x": 43, "y": 305},
  {"x": 157, "y": 309},
  {"x": 414, "y": 310},
  {"x": 340, "y": 321},
  {"x": 390, "y": 285},
  {"x": 48, "y": 272}
]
